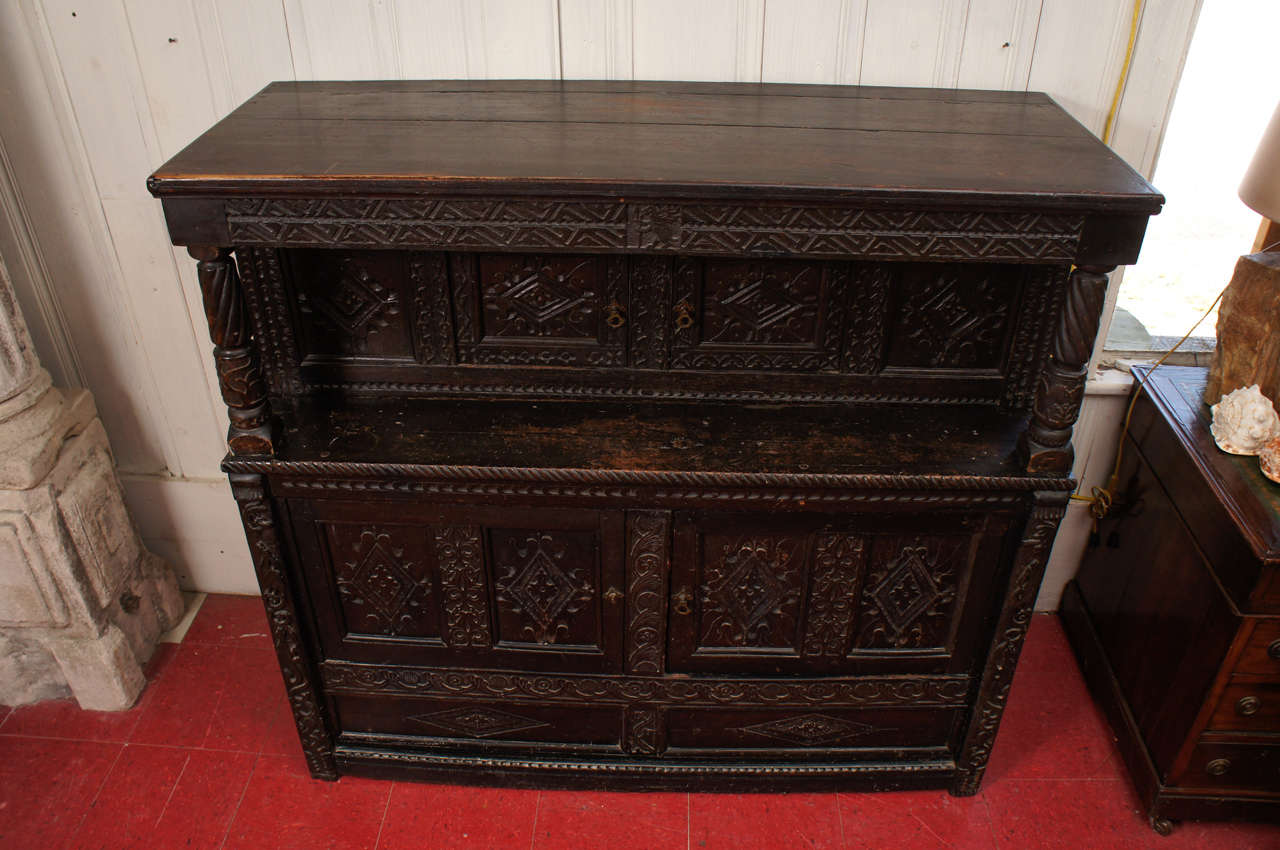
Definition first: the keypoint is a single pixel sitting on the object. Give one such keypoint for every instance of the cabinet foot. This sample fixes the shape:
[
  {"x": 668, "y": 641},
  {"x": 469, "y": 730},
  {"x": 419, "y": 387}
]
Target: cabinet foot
[{"x": 1164, "y": 826}]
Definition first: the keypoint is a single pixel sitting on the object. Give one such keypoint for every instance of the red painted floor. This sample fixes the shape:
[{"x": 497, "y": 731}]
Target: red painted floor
[{"x": 209, "y": 758}]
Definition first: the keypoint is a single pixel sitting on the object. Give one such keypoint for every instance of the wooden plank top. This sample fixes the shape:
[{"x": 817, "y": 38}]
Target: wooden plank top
[
  {"x": 1250, "y": 500},
  {"x": 657, "y": 139}
]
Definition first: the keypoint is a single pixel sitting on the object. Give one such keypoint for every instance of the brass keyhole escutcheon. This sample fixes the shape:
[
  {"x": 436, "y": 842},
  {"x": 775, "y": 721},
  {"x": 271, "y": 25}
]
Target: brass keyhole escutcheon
[
  {"x": 1273, "y": 649},
  {"x": 684, "y": 315},
  {"x": 612, "y": 595},
  {"x": 682, "y": 598},
  {"x": 613, "y": 315},
  {"x": 1217, "y": 767},
  {"x": 1248, "y": 705}
]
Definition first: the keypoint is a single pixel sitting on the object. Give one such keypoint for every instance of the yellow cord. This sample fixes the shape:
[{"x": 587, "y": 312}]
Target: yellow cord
[
  {"x": 1101, "y": 497},
  {"x": 1124, "y": 72}
]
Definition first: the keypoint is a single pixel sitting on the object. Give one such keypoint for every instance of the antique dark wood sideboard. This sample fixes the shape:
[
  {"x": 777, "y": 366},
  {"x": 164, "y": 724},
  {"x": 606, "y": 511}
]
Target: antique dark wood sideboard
[
  {"x": 651, "y": 434},
  {"x": 1175, "y": 615}
]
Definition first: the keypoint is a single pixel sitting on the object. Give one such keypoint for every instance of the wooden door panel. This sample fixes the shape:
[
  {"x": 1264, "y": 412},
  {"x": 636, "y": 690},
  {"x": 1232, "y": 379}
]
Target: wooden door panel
[
  {"x": 428, "y": 584},
  {"x": 756, "y": 595}
]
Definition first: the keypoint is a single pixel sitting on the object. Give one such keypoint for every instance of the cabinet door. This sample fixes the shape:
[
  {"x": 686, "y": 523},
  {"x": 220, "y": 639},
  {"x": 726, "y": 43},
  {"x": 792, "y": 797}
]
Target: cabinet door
[
  {"x": 757, "y": 314},
  {"x": 755, "y": 594},
  {"x": 441, "y": 584},
  {"x": 540, "y": 310}
]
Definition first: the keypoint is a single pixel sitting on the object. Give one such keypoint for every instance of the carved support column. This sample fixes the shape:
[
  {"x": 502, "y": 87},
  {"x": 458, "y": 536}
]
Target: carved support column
[
  {"x": 296, "y": 663},
  {"x": 1046, "y": 444},
  {"x": 239, "y": 377},
  {"x": 1011, "y": 630}
]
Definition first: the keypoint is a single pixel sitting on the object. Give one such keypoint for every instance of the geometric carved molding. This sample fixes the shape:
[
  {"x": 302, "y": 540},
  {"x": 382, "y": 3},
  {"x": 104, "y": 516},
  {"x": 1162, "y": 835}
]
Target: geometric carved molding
[
  {"x": 815, "y": 231},
  {"x": 907, "y": 603},
  {"x": 477, "y": 722},
  {"x": 810, "y": 730}
]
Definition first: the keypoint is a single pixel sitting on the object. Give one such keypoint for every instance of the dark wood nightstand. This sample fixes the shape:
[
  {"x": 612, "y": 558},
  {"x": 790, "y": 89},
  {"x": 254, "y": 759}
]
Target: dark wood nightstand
[{"x": 1175, "y": 615}]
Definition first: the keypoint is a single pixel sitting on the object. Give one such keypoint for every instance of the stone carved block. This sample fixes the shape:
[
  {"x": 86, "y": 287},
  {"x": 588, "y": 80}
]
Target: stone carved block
[{"x": 81, "y": 600}]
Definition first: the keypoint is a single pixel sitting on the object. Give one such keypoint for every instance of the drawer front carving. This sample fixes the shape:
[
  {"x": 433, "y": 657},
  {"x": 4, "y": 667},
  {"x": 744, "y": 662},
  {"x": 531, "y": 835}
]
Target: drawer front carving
[
  {"x": 479, "y": 725},
  {"x": 757, "y": 314},
  {"x": 423, "y": 583},
  {"x": 826, "y": 733},
  {"x": 751, "y": 595},
  {"x": 536, "y": 310}
]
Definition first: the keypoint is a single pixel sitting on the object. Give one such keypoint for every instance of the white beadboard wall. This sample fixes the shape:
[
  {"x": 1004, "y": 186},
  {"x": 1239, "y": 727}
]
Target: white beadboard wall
[{"x": 94, "y": 94}]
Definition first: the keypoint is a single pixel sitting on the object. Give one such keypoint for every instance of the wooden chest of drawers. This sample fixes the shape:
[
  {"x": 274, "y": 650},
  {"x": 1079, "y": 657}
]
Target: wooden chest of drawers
[
  {"x": 651, "y": 434},
  {"x": 1176, "y": 616}
]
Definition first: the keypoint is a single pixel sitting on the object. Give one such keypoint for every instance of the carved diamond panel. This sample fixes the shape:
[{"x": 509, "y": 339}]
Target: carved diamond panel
[
  {"x": 351, "y": 305},
  {"x": 529, "y": 309},
  {"x": 546, "y": 586},
  {"x": 953, "y": 317},
  {"x": 478, "y": 722},
  {"x": 751, "y": 591},
  {"x": 909, "y": 596},
  {"x": 384, "y": 580},
  {"x": 810, "y": 730},
  {"x": 761, "y": 314}
]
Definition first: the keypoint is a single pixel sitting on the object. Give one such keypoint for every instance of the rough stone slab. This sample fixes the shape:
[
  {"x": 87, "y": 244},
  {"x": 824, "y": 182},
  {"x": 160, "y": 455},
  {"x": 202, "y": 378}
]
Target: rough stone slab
[{"x": 1249, "y": 330}]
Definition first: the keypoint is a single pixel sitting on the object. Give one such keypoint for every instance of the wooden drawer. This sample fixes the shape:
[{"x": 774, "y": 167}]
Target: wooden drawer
[
  {"x": 481, "y": 724},
  {"x": 827, "y": 733},
  {"x": 1262, "y": 653},
  {"x": 1232, "y": 765},
  {"x": 1246, "y": 706}
]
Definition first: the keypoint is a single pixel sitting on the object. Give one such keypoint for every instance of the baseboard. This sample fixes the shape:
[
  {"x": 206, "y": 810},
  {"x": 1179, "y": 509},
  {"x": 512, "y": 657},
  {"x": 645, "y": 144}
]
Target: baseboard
[{"x": 194, "y": 525}]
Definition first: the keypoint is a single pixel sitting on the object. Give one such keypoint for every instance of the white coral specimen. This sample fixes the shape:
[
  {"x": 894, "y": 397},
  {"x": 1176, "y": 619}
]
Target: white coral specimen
[{"x": 1243, "y": 421}]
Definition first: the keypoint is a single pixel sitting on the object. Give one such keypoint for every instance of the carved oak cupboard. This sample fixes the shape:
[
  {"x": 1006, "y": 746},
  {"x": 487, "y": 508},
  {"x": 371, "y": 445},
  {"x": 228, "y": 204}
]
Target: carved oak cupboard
[{"x": 651, "y": 434}]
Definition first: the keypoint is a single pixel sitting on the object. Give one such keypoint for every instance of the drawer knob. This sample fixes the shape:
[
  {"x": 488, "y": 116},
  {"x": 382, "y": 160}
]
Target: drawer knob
[
  {"x": 1248, "y": 705},
  {"x": 1273, "y": 649},
  {"x": 613, "y": 315},
  {"x": 682, "y": 598},
  {"x": 1217, "y": 767},
  {"x": 684, "y": 315}
]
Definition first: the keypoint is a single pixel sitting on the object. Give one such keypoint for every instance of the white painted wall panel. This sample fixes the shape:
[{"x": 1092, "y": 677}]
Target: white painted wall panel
[
  {"x": 999, "y": 41},
  {"x": 813, "y": 41},
  {"x": 913, "y": 42},
  {"x": 94, "y": 95},
  {"x": 706, "y": 40},
  {"x": 595, "y": 39}
]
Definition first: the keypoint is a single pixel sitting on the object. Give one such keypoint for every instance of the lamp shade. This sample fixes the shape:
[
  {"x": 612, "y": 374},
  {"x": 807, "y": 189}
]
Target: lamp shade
[{"x": 1261, "y": 186}]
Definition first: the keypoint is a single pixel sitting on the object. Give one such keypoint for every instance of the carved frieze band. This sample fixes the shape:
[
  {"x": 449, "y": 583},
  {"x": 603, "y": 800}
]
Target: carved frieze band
[
  {"x": 459, "y": 558},
  {"x": 277, "y": 596},
  {"x": 937, "y": 691},
  {"x": 1011, "y": 630},
  {"x": 647, "y": 553},
  {"x": 816, "y": 231}
]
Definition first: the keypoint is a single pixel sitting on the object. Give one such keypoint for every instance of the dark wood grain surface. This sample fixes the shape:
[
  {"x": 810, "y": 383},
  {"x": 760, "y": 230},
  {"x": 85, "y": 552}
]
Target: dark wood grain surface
[
  {"x": 667, "y": 138},
  {"x": 831, "y": 439}
]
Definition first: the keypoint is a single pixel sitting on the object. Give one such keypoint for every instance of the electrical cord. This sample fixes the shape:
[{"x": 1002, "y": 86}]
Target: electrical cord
[
  {"x": 1101, "y": 498},
  {"x": 1124, "y": 72}
]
